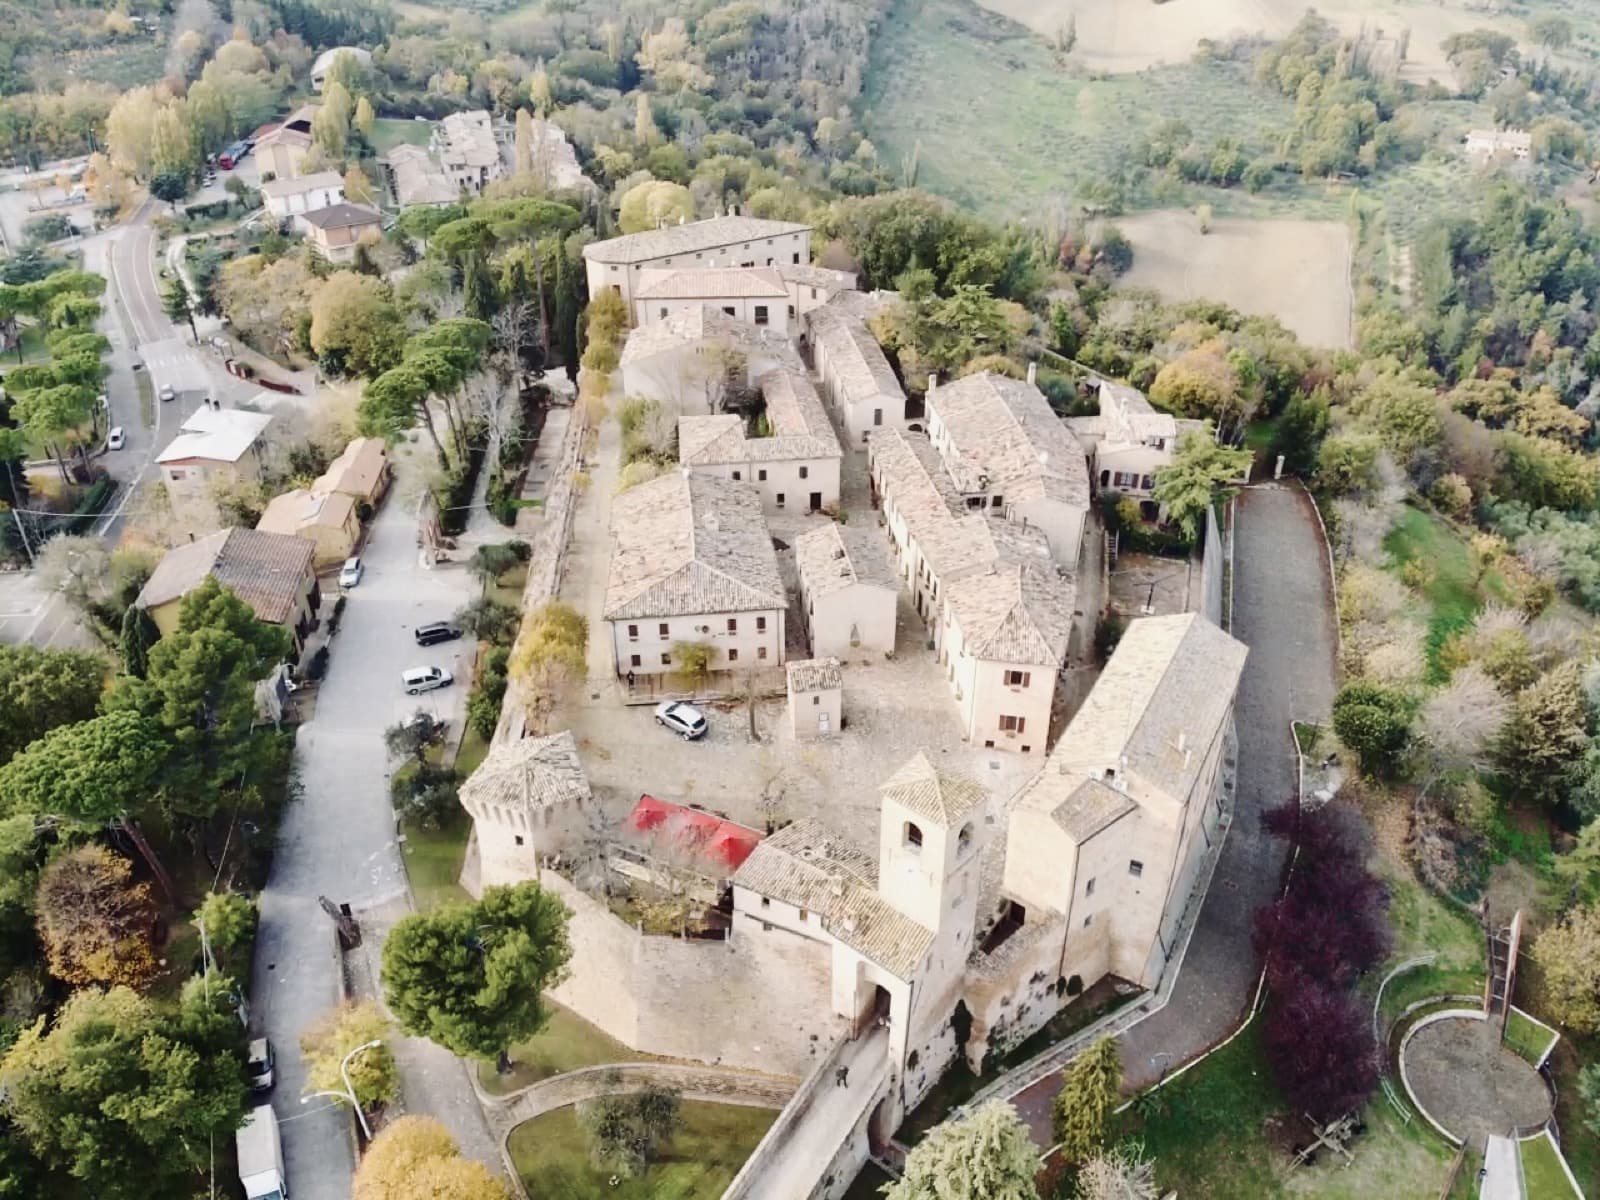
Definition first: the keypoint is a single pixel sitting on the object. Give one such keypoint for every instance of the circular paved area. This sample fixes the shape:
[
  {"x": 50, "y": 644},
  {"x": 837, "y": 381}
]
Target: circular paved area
[{"x": 1471, "y": 1084}]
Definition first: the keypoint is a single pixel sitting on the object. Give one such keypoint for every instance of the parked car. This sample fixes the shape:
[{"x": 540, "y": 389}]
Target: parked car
[
  {"x": 685, "y": 720},
  {"x": 425, "y": 679},
  {"x": 167, "y": 394},
  {"x": 115, "y": 440},
  {"x": 350, "y": 574},
  {"x": 260, "y": 1064},
  {"x": 435, "y": 632}
]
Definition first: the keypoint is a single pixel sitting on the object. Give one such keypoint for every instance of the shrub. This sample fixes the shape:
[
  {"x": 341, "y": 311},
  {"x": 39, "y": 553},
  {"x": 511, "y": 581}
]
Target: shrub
[
  {"x": 317, "y": 665},
  {"x": 1373, "y": 722}
]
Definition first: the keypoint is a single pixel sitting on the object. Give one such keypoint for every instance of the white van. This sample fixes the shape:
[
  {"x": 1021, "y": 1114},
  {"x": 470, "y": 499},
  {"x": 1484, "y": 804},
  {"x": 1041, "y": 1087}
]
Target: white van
[
  {"x": 425, "y": 679},
  {"x": 260, "y": 1152}
]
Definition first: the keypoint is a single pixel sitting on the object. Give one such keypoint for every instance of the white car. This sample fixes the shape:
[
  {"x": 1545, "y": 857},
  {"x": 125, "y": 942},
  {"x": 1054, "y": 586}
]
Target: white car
[
  {"x": 685, "y": 720},
  {"x": 350, "y": 574},
  {"x": 167, "y": 394},
  {"x": 115, "y": 440},
  {"x": 425, "y": 679}
]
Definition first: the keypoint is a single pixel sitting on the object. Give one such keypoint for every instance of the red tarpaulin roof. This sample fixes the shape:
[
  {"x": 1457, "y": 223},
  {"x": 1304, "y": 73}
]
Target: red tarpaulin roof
[{"x": 719, "y": 842}]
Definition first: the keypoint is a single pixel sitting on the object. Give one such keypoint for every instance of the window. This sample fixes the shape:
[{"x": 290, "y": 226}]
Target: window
[
  {"x": 996, "y": 501},
  {"x": 1135, "y": 867},
  {"x": 791, "y": 312},
  {"x": 761, "y": 651},
  {"x": 1017, "y": 679},
  {"x": 1105, "y": 478},
  {"x": 813, "y": 293},
  {"x": 815, "y": 700},
  {"x": 911, "y": 836},
  {"x": 769, "y": 257},
  {"x": 797, "y": 257},
  {"x": 1012, "y": 724},
  {"x": 613, "y": 270},
  {"x": 988, "y": 744},
  {"x": 729, "y": 309},
  {"x": 666, "y": 660},
  {"x": 733, "y": 656},
  {"x": 964, "y": 838},
  {"x": 663, "y": 311},
  {"x": 1088, "y": 888},
  {"x": 761, "y": 624},
  {"x": 1088, "y": 921},
  {"x": 766, "y": 903},
  {"x": 518, "y": 836},
  {"x": 780, "y": 499},
  {"x": 1027, "y": 749},
  {"x": 737, "y": 475},
  {"x": 877, "y": 416},
  {"x": 804, "y": 914},
  {"x": 1147, "y": 482},
  {"x": 805, "y": 472},
  {"x": 633, "y": 633},
  {"x": 733, "y": 624},
  {"x": 633, "y": 660},
  {"x": 761, "y": 473},
  {"x": 761, "y": 314},
  {"x": 662, "y": 630},
  {"x": 974, "y": 501}
]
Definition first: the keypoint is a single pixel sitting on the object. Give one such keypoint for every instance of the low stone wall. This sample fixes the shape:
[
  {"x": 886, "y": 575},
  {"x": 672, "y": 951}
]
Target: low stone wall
[
  {"x": 719, "y": 1085},
  {"x": 795, "y": 1109}
]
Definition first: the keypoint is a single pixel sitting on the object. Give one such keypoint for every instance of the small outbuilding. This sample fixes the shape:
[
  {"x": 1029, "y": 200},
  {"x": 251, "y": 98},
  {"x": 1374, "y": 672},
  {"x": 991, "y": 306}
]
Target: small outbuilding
[
  {"x": 848, "y": 591},
  {"x": 816, "y": 697}
]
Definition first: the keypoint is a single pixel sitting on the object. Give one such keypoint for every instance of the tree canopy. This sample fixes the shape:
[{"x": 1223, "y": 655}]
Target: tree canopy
[{"x": 986, "y": 1155}]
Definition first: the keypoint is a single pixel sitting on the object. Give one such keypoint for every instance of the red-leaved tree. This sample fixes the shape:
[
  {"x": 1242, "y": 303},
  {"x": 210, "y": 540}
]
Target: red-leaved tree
[{"x": 1320, "y": 1047}]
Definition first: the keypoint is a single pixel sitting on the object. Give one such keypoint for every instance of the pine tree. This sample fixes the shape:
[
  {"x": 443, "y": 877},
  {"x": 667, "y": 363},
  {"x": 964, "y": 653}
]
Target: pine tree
[
  {"x": 139, "y": 633},
  {"x": 478, "y": 288},
  {"x": 1089, "y": 1087},
  {"x": 644, "y": 123}
]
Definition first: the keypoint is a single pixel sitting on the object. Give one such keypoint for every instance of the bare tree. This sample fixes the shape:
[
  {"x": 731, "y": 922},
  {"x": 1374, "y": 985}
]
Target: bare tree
[
  {"x": 1121, "y": 1173},
  {"x": 1460, "y": 724}
]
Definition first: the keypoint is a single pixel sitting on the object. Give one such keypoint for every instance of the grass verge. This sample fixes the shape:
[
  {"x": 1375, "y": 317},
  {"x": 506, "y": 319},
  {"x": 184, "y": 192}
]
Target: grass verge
[
  {"x": 1431, "y": 556},
  {"x": 568, "y": 1043},
  {"x": 1530, "y": 1039},
  {"x": 433, "y": 860},
  {"x": 551, "y": 1154},
  {"x": 1541, "y": 1168}
]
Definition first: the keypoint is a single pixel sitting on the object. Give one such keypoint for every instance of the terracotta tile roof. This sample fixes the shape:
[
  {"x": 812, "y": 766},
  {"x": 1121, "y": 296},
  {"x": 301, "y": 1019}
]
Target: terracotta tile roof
[
  {"x": 683, "y": 545},
  {"x": 1005, "y": 438},
  {"x": 941, "y": 796},
  {"x": 302, "y": 509},
  {"x": 1015, "y": 612},
  {"x": 467, "y": 138},
  {"x": 268, "y": 571},
  {"x": 708, "y": 440},
  {"x": 814, "y": 674},
  {"x": 529, "y": 775},
  {"x": 1091, "y": 807},
  {"x": 811, "y": 867},
  {"x": 691, "y": 237},
  {"x": 853, "y": 355},
  {"x": 1150, "y": 718},
  {"x": 807, "y": 275},
  {"x": 834, "y": 556},
  {"x": 711, "y": 283},
  {"x": 358, "y": 469},
  {"x": 704, "y": 323},
  {"x": 799, "y": 423}
]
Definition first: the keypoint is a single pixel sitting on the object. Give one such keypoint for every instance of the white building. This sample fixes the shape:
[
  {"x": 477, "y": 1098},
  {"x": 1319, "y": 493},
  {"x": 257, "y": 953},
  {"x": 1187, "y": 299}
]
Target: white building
[
  {"x": 416, "y": 180},
  {"x": 1007, "y": 451},
  {"x": 1129, "y": 442},
  {"x": 794, "y": 466},
  {"x": 856, "y": 377},
  {"x": 811, "y": 287},
  {"x": 721, "y": 241},
  {"x": 217, "y": 449},
  {"x": 690, "y": 362},
  {"x": 692, "y": 562},
  {"x": 1487, "y": 143},
  {"x": 325, "y": 61},
  {"x": 815, "y": 689},
  {"x": 468, "y": 150},
  {"x": 998, "y": 608},
  {"x": 756, "y": 295},
  {"x": 848, "y": 591},
  {"x": 527, "y": 799},
  {"x": 294, "y": 196}
]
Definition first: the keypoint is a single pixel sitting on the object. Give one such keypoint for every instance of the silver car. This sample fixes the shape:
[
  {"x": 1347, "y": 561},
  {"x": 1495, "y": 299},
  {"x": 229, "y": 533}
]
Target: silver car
[
  {"x": 350, "y": 574},
  {"x": 425, "y": 679},
  {"x": 685, "y": 720}
]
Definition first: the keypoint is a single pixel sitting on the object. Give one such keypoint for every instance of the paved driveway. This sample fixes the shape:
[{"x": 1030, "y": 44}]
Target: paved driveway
[
  {"x": 338, "y": 840},
  {"x": 1283, "y": 610}
]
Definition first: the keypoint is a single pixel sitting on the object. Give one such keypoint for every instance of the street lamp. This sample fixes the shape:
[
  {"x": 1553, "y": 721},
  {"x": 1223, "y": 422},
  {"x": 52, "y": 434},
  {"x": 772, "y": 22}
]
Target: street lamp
[{"x": 349, "y": 1090}]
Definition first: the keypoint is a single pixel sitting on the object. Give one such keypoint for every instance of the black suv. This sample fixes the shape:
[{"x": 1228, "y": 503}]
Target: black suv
[{"x": 435, "y": 632}]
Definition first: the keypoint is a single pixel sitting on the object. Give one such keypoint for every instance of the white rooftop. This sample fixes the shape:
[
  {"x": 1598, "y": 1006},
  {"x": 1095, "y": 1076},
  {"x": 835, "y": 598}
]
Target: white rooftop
[{"x": 221, "y": 435}]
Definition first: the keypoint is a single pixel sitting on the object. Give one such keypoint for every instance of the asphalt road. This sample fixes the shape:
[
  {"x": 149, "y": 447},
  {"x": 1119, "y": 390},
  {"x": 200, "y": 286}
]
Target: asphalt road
[{"x": 338, "y": 840}]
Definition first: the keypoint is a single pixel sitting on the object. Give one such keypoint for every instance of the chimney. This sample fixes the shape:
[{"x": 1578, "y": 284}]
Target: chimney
[
  {"x": 933, "y": 382},
  {"x": 1033, "y": 373}
]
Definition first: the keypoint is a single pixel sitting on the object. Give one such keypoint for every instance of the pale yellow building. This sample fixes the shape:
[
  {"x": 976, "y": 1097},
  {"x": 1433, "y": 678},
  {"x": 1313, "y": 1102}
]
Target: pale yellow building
[
  {"x": 691, "y": 362},
  {"x": 1128, "y": 443},
  {"x": 271, "y": 572},
  {"x": 281, "y": 151},
  {"x": 325, "y": 519},
  {"x": 361, "y": 471},
  {"x": 722, "y": 241},
  {"x": 339, "y": 228},
  {"x": 857, "y": 379},
  {"x": 815, "y": 690},
  {"x": 848, "y": 592}
]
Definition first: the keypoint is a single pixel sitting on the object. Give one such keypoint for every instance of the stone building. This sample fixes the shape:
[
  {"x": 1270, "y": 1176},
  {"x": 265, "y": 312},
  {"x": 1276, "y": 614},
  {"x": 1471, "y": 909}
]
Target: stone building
[
  {"x": 1006, "y": 451},
  {"x": 692, "y": 562},
  {"x": 815, "y": 689},
  {"x": 528, "y": 799},
  {"x": 271, "y": 572},
  {"x": 722, "y": 241},
  {"x": 849, "y": 595},
  {"x": 794, "y": 465},
  {"x": 468, "y": 150},
  {"x": 1129, "y": 442},
  {"x": 856, "y": 377},
  {"x": 756, "y": 295},
  {"x": 698, "y": 359}
]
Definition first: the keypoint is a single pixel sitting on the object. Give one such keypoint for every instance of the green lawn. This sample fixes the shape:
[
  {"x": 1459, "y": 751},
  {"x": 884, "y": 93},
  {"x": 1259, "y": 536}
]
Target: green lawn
[
  {"x": 433, "y": 860},
  {"x": 1448, "y": 587},
  {"x": 389, "y": 132},
  {"x": 552, "y": 1156},
  {"x": 1222, "y": 1131},
  {"x": 1541, "y": 1168},
  {"x": 1528, "y": 1038},
  {"x": 568, "y": 1043}
]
